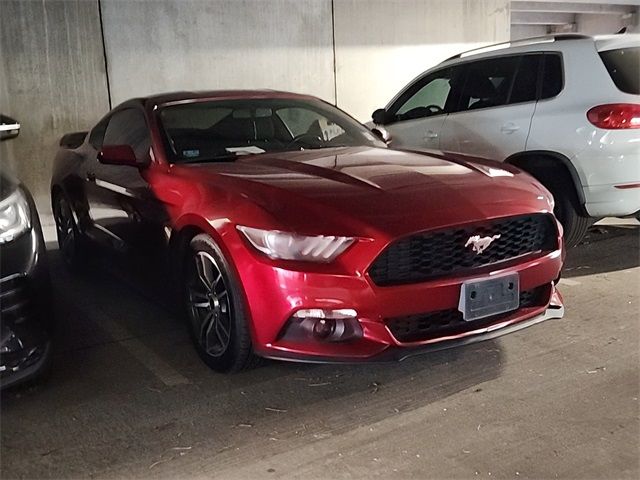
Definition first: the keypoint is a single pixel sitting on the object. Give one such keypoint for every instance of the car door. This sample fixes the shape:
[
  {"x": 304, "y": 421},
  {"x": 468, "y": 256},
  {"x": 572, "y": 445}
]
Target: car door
[
  {"x": 417, "y": 116},
  {"x": 495, "y": 107},
  {"x": 121, "y": 205}
]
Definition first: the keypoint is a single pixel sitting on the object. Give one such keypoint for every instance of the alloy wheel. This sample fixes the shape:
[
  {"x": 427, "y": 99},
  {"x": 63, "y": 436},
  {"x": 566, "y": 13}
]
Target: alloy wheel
[
  {"x": 209, "y": 304},
  {"x": 65, "y": 228}
]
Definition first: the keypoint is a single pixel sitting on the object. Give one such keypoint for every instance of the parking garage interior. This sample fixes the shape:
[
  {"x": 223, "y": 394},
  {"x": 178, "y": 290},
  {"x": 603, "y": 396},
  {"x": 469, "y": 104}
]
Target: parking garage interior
[{"x": 129, "y": 397}]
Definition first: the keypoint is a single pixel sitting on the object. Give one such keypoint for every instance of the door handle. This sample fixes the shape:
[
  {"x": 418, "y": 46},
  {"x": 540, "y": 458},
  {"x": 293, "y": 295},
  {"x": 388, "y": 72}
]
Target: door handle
[
  {"x": 91, "y": 177},
  {"x": 509, "y": 128},
  {"x": 430, "y": 135}
]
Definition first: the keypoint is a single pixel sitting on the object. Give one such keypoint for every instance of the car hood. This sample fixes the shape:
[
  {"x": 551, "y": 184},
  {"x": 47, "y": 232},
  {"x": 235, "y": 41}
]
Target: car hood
[{"x": 358, "y": 188}]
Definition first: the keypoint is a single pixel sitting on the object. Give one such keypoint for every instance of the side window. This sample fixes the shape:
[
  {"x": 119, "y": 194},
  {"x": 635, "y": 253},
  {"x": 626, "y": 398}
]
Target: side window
[
  {"x": 302, "y": 121},
  {"x": 552, "y": 81},
  {"x": 97, "y": 134},
  {"x": 488, "y": 83},
  {"x": 427, "y": 97},
  {"x": 128, "y": 127},
  {"x": 524, "y": 86}
]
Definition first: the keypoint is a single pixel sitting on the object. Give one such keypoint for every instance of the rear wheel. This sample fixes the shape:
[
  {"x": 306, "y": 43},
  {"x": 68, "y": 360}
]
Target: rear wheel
[
  {"x": 69, "y": 240},
  {"x": 567, "y": 206},
  {"x": 215, "y": 308}
]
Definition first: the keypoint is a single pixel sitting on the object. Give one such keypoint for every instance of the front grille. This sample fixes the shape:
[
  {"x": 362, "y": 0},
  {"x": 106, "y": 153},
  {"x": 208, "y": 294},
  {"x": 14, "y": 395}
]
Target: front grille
[
  {"x": 15, "y": 300},
  {"x": 416, "y": 328},
  {"x": 441, "y": 253}
]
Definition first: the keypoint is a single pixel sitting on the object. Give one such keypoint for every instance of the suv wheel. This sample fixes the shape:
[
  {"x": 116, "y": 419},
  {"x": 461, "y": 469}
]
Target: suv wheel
[{"x": 567, "y": 209}]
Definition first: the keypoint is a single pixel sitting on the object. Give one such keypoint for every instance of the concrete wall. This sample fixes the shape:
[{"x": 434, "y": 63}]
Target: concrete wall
[
  {"x": 52, "y": 62},
  {"x": 53, "y": 79},
  {"x": 201, "y": 44},
  {"x": 382, "y": 44},
  {"x": 519, "y": 32}
]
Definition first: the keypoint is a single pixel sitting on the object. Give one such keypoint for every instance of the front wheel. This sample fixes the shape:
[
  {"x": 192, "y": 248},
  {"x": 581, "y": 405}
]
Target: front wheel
[
  {"x": 215, "y": 308},
  {"x": 69, "y": 240}
]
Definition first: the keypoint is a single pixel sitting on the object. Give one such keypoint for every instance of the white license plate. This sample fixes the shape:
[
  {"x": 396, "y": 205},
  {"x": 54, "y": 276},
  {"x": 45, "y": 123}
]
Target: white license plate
[{"x": 491, "y": 296}]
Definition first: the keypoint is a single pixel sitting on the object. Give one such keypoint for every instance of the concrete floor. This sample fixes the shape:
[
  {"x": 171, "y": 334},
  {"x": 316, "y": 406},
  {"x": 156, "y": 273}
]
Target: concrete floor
[{"x": 129, "y": 397}]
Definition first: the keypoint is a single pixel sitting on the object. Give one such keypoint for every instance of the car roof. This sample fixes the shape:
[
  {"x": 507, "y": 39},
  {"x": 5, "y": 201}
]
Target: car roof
[
  {"x": 189, "y": 96},
  {"x": 546, "y": 42}
]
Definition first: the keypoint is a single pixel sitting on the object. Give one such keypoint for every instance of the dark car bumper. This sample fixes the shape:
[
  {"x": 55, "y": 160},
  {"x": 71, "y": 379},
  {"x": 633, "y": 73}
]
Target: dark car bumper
[{"x": 25, "y": 306}]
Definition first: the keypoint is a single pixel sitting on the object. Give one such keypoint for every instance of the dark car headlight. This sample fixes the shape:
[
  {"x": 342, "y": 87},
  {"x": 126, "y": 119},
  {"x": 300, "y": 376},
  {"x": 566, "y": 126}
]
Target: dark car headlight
[{"x": 15, "y": 217}]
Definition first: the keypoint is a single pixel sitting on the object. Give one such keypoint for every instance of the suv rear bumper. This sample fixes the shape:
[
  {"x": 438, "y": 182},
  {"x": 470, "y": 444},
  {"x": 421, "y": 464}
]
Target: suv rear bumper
[{"x": 612, "y": 200}]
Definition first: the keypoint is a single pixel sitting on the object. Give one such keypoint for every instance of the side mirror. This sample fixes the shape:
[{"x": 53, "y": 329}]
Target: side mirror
[
  {"x": 118, "y": 155},
  {"x": 381, "y": 117},
  {"x": 382, "y": 133},
  {"x": 9, "y": 128}
]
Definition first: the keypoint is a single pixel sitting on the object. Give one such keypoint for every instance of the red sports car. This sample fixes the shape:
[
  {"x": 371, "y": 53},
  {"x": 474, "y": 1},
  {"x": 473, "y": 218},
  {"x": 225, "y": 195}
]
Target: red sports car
[{"x": 294, "y": 233}]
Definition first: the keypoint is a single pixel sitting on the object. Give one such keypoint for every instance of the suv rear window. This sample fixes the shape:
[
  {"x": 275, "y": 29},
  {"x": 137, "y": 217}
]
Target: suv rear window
[{"x": 623, "y": 64}]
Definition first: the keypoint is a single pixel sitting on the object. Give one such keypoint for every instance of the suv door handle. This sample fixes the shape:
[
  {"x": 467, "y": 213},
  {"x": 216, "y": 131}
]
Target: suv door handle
[
  {"x": 430, "y": 134},
  {"x": 509, "y": 128}
]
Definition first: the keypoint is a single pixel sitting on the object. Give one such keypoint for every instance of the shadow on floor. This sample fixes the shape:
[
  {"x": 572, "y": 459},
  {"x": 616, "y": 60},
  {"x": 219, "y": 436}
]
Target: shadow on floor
[{"x": 605, "y": 248}]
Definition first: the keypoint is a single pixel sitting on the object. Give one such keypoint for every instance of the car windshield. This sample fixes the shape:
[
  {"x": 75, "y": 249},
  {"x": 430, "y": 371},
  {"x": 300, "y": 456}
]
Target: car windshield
[{"x": 225, "y": 129}]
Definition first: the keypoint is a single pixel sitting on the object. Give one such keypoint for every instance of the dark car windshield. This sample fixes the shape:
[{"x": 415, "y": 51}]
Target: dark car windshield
[
  {"x": 224, "y": 129},
  {"x": 623, "y": 64}
]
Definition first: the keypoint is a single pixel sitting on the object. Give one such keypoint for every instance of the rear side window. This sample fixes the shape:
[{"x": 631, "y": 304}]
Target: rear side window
[
  {"x": 128, "y": 127},
  {"x": 552, "y": 80},
  {"x": 623, "y": 64}
]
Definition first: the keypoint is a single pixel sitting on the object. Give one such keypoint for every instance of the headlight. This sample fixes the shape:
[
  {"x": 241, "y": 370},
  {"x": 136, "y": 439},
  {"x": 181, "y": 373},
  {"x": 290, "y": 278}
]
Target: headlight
[
  {"x": 290, "y": 246},
  {"x": 14, "y": 216}
]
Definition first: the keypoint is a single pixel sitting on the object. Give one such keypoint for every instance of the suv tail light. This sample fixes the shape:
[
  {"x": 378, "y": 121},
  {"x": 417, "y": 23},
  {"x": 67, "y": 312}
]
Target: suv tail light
[{"x": 615, "y": 116}]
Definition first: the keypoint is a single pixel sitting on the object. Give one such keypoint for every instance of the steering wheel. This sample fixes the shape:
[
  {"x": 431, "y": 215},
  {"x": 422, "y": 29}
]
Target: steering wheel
[{"x": 307, "y": 138}]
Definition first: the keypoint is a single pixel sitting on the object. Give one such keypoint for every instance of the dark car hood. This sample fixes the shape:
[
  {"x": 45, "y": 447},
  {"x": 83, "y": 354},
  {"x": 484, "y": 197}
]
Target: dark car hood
[{"x": 378, "y": 188}]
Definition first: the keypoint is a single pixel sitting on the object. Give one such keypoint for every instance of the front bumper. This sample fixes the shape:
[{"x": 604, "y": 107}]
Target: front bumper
[
  {"x": 26, "y": 318},
  {"x": 273, "y": 294},
  {"x": 555, "y": 310}
]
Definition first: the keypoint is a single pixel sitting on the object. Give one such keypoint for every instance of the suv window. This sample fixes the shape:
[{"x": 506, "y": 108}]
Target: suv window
[
  {"x": 552, "y": 80},
  {"x": 526, "y": 81},
  {"x": 427, "y": 97},
  {"x": 488, "y": 83},
  {"x": 623, "y": 64},
  {"x": 128, "y": 127}
]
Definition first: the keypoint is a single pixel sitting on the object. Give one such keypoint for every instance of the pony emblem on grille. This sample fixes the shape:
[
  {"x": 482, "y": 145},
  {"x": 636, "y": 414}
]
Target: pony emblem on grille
[{"x": 480, "y": 244}]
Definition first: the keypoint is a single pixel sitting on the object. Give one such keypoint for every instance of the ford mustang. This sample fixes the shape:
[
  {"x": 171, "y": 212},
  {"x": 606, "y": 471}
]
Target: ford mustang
[{"x": 292, "y": 232}]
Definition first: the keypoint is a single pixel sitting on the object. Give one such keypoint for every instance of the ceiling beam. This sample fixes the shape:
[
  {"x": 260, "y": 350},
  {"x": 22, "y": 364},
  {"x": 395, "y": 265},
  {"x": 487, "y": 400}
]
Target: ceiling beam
[
  {"x": 570, "y": 7},
  {"x": 541, "y": 18}
]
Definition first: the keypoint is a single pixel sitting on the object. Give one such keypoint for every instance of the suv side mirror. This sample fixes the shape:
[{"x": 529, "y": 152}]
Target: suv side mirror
[
  {"x": 381, "y": 117},
  {"x": 9, "y": 128},
  {"x": 118, "y": 155}
]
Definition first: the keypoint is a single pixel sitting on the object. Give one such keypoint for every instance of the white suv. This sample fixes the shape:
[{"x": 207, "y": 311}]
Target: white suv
[{"x": 565, "y": 108}]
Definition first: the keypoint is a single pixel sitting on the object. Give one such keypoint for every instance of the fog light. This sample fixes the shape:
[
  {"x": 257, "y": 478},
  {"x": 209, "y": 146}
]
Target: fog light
[
  {"x": 326, "y": 325},
  {"x": 323, "y": 328}
]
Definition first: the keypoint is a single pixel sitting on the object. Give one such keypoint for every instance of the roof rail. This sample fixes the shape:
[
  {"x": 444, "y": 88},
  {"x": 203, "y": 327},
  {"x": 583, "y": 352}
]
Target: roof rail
[{"x": 525, "y": 41}]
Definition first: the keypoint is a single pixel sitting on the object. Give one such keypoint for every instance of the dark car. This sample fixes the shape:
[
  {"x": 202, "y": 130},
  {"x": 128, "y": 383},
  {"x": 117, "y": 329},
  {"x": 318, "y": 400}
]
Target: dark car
[
  {"x": 294, "y": 233},
  {"x": 25, "y": 303}
]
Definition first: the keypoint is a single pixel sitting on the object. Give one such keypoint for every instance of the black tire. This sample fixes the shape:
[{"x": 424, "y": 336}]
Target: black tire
[
  {"x": 575, "y": 224},
  {"x": 567, "y": 209},
  {"x": 70, "y": 240},
  {"x": 215, "y": 309}
]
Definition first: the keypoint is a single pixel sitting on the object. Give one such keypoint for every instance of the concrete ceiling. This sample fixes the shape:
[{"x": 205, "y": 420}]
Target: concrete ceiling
[{"x": 563, "y": 15}]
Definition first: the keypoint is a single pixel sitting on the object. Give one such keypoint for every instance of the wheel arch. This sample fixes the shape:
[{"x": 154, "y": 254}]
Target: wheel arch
[{"x": 531, "y": 160}]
